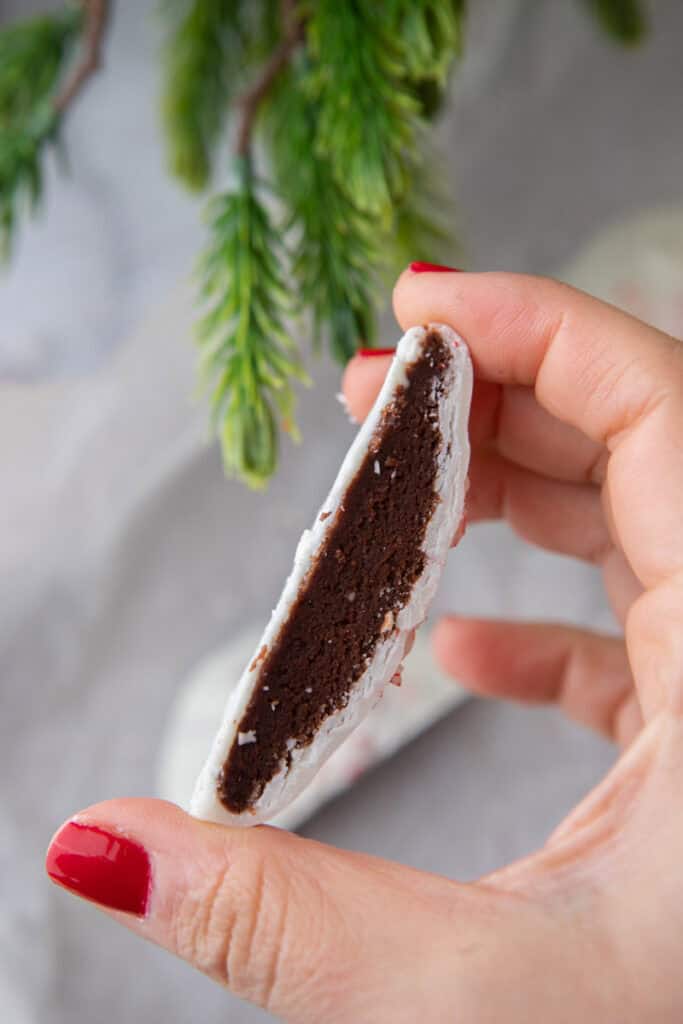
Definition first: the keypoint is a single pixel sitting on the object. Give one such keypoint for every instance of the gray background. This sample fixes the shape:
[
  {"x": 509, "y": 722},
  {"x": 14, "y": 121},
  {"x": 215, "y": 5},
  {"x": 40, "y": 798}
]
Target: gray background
[{"x": 128, "y": 560}]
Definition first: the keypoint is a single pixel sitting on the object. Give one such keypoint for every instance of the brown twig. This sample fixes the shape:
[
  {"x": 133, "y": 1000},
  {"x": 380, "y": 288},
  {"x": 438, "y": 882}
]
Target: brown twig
[
  {"x": 288, "y": 11},
  {"x": 96, "y": 13},
  {"x": 251, "y": 100}
]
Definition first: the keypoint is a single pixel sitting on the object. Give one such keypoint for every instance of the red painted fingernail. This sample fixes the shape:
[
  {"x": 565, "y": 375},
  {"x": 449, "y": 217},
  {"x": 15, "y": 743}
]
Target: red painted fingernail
[
  {"x": 101, "y": 866},
  {"x": 365, "y": 353},
  {"x": 433, "y": 268}
]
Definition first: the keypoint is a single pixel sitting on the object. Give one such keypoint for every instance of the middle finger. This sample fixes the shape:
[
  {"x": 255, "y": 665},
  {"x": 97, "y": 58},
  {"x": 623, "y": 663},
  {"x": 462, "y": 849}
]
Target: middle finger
[{"x": 557, "y": 515}]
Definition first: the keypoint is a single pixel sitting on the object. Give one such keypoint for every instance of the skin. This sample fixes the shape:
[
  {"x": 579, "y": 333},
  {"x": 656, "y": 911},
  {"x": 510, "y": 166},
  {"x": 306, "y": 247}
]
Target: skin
[{"x": 577, "y": 431}]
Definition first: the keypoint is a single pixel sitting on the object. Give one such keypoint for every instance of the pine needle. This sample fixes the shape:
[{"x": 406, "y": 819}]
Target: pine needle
[
  {"x": 431, "y": 35},
  {"x": 624, "y": 20},
  {"x": 33, "y": 55},
  {"x": 202, "y": 58},
  {"x": 335, "y": 249},
  {"x": 424, "y": 220},
  {"x": 368, "y": 114},
  {"x": 248, "y": 360}
]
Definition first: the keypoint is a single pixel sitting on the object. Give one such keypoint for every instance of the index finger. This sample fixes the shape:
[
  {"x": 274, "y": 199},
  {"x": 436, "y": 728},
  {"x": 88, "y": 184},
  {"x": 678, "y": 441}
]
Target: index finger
[{"x": 592, "y": 366}]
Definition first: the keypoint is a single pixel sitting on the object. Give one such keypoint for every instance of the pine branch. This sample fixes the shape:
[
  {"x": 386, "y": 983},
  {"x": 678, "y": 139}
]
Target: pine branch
[
  {"x": 423, "y": 225},
  {"x": 368, "y": 114},
  {"x": 247, "y": 357},
  {"x": 340, "y": 248},
  {"x": 254, "y": 97},
  {"x": 431, "y": 35},
  {"x": 33, "y": 55},
  {"x": 624, "y": 20},
  {"x": 335, "y": 249},
  {"x": 203, "y": 56},
  {"x": 96, "y": 14}
]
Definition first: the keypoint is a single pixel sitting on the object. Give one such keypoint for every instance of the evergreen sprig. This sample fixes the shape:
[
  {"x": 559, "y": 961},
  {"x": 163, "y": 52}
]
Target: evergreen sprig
[
  {"x": 248, "y": 359},
  {"x": 423, "y": 226},
  {"x": 431, "y": 33},
  {"x": 33, "y": 55},
  {"x": 369, "y": 116},
  {"x": 624, "y": 20},
  {"x": 335, "y": 245},
  {"x": 203, "y": 55}
]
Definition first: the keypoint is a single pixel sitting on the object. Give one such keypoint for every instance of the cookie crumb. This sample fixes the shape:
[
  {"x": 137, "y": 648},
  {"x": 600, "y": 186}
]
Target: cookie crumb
[
  {"x": 387, "y": 622},
  {"x": 259, "y": 657}
]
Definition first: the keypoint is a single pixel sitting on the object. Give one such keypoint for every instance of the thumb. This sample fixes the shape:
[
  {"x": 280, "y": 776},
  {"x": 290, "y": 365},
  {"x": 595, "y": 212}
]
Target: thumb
[{"x": 306, "y": 931}]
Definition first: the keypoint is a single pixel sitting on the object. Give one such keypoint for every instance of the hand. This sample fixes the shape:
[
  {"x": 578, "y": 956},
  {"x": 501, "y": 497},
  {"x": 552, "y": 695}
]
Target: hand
[{"x": 577, "y": 430}]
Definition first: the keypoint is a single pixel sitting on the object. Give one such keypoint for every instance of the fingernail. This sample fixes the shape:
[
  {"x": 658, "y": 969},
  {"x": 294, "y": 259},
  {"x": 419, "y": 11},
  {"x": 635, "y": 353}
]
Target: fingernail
[
  {"x": 365, "y": 353},
  {"x": 101, "y": 866},
  {"x": 433, "y": 268}
]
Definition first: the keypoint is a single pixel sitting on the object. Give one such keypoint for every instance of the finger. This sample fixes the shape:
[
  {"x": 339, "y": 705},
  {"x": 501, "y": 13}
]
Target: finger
[
  {"x": 361, "y": 383},
  {"x": 621, "y": 583},
  {"x": 586, "y": 674},
  {"x": 524, "y": 432},
  {"x": 655, "y": 644},
  {"x": 529, "y": 435},
  {"x": 559, "y": 516},
  {"x": 595, "y": 368},
  {"x": 284, "y": 922}
]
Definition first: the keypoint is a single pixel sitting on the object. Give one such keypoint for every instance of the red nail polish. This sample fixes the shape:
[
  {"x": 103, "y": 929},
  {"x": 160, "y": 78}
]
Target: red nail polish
[
  {"x": 364, "y": 353},
  {"x": 101, "y": 866},
  {"x": 433, "y": 268}
]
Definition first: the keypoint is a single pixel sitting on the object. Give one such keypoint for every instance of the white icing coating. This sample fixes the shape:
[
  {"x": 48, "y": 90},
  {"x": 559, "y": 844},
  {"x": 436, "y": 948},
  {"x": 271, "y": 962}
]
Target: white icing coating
[{"x": 450, "y": 485}]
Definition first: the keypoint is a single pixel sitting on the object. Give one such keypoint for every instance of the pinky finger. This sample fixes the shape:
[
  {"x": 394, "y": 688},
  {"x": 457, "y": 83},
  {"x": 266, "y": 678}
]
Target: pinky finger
[{"x": 586, "y": 674}]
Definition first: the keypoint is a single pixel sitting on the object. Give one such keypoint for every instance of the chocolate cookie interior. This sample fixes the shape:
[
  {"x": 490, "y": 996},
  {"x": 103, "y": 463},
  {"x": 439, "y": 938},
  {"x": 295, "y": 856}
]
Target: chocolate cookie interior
[{"x": 360, "y": 579}]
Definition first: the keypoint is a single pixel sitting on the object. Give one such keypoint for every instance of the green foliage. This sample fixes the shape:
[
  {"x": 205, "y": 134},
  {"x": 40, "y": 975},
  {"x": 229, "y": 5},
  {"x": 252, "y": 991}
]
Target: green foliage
[
  {"x": 32, "y": 57},
  {"x": 423, "y": 221},
  {"x": 348, "y": 101},
  {"x": 202, "y": 58},
  {"x": 261, "y": 25},
  {"x": 335, "y": 247},
  {"x": 248, "y": 359},
  {"x": 21, "y": 179},
  {"x": 431, "y": 34},
  {"x": 624, "y": 20},
  {"x": 360, "y": 206},
  {"x": 368, "y": 115}
]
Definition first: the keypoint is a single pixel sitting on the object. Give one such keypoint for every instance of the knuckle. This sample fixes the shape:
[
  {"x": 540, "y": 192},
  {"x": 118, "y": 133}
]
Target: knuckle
[
  {"x": 655, "y": 641},
  {"x": 268, "y": 928},
  {"x": 234, "y": 930},
  {"x": 195, "y": 916},
  {"x": 596, "y": 470},
  {"x": 250, "y": 958}
]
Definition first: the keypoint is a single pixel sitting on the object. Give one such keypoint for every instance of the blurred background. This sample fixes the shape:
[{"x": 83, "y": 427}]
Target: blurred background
[{"x": 125, "y": 555}]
